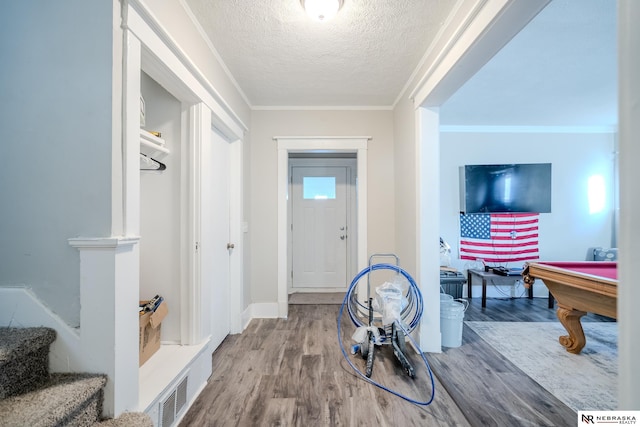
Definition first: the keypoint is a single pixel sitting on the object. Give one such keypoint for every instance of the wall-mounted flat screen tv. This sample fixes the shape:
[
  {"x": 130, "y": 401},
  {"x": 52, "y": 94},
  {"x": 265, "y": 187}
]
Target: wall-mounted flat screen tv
[{"x": 505, "y": 188}]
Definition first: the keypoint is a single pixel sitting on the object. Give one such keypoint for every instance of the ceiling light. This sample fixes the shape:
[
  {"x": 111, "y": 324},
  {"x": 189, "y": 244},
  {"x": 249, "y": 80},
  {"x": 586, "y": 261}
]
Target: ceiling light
[{"x": 322, "y": 10}]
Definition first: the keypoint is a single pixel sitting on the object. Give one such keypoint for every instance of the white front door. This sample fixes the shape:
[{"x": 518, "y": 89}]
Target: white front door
[
  {"x": 215, "y": 256},
  {"x": 319, "y": 226}
]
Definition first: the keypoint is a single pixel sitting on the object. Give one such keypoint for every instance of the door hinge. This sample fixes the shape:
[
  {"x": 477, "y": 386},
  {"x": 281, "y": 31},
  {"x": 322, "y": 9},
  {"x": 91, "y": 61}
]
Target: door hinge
[
  {"x": 292, "y": 274},
  {"x": 197, "y": 246}
]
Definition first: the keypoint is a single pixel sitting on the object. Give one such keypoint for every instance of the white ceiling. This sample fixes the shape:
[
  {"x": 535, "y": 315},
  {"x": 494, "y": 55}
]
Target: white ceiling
[
  {"x": 279, "y": 56},
  {"x": 559, "y": 71}
]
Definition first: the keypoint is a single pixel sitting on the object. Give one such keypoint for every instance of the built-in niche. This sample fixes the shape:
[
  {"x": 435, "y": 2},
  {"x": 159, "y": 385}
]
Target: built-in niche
[{"x": 160, "y": 202}]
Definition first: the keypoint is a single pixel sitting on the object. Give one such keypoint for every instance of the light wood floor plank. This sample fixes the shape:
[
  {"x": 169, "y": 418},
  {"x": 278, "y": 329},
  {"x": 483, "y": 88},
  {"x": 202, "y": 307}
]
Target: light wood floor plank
[{"x": 291, "y": 372}]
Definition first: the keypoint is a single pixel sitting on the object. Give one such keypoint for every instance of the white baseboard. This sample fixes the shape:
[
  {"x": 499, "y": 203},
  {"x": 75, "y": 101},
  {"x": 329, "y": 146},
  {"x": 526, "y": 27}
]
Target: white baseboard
[
  {"x": 264, "y": 310},
  {"x": 260, "y": 310},
  {"x": 245, "y": 318}
]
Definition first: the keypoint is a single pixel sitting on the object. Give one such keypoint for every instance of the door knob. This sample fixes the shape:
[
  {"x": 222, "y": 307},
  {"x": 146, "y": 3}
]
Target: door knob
[{"x": 230, "y": 246}]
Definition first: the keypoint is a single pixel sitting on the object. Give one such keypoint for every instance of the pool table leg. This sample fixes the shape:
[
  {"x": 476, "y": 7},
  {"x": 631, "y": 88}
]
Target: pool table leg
[{"x": 570, "y": 319}]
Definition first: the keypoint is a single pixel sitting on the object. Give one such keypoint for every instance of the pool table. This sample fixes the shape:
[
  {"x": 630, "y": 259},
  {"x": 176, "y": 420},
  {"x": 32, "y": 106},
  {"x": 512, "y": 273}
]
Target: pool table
[{"x": 579, "y": 288}]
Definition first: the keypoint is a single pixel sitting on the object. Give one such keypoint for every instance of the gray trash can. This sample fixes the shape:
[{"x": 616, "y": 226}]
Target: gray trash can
[{"x": 452, "y": 282}]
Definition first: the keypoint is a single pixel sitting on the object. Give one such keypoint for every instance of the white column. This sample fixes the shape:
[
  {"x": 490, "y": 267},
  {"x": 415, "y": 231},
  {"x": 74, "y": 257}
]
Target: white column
[
  {"x": 629, "y": 238},
  {"x": 428, "y": 224},
  {"x": 109, "y": 337}
]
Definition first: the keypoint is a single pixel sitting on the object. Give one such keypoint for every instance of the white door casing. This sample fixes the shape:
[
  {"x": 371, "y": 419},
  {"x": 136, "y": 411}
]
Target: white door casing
[
  {"x": 319, "y": 226},
  {"x": 336, "y": 144}
]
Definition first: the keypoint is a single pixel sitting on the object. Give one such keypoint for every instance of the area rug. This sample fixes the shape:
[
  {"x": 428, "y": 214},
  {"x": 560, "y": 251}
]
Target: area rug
[{"x": 585, "y": 381}]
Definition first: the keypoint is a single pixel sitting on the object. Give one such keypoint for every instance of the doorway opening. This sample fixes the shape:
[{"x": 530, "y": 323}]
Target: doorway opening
[
  {"x": 322, "y": 248},
  {"x": 329, "y": 146}
]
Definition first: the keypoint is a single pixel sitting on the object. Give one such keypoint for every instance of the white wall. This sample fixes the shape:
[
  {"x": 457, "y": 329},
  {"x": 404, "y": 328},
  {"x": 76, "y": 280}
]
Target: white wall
[
  {"x": 263, "y": 181},
  {"x": 566, "y": 232},
  {"x": 160, "y": 220},
  {"x": 55, "y": 132}
]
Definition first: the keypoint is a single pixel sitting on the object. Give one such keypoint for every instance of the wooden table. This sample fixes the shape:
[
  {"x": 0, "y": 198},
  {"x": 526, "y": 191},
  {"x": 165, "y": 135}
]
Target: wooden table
[
  {"x": 579, "y": 288},
  {"x": 491, "y": 277}
]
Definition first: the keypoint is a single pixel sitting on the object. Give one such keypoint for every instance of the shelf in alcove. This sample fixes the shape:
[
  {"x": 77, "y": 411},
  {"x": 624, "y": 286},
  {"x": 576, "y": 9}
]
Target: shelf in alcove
[{"x": 151, "y": 145}]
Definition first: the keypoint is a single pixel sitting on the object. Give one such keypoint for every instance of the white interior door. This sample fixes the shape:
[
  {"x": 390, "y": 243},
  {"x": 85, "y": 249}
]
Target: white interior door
[
  {"x": 215, "y": 256},
  {"x": 319, "y": 229}
]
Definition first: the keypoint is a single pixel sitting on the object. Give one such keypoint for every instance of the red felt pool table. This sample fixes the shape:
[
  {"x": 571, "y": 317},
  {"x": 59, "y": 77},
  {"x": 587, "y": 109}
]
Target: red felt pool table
[{"x": 579, "y": 288}]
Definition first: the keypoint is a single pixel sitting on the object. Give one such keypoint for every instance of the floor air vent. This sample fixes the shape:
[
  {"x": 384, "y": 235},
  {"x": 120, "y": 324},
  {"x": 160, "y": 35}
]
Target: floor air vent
[
  {"x": 181, "y": 395},
  {"x": 173, "y": 404},
  {"x": 169, "y": 410}
]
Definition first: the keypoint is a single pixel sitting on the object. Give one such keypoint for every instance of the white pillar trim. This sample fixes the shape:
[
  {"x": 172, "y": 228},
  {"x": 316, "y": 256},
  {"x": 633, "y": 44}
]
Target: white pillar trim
[
  {"x": 236, "y": 235},
  {"x": 428, "y": 224},
  {"x": 629, "y": 243},
  {"x": 102, "y": 242},
  {"x": 109, "y": 341}
]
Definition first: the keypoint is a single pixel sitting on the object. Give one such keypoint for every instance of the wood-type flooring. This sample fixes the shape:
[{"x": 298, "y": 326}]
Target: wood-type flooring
[{"x": 291, "y": 372}]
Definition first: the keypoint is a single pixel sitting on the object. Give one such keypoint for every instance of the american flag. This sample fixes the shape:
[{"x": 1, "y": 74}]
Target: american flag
[{"x": 499, "y": 238}]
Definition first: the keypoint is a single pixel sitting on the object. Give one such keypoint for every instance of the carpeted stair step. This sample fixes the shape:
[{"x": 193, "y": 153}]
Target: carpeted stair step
[
  {"x": 128, "y": 419},
  {"x": 24, "y": 359},
  {"x": 65, "y": 400}
]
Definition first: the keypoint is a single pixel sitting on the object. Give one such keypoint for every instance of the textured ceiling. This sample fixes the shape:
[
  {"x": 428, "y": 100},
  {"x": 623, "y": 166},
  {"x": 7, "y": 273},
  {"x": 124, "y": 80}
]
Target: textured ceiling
[
  {"x": 281, "y": 57},
  {"x": 559, "y": 71}
]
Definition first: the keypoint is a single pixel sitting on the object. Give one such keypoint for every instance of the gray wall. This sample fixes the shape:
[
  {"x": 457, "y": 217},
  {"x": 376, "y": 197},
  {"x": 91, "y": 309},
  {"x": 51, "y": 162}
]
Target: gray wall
[{"x": 55, "y": 133}]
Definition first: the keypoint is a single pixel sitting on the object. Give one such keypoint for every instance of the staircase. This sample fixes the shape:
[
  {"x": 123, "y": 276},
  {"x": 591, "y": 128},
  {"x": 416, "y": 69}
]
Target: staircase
[{"x": 30, "y": 396}]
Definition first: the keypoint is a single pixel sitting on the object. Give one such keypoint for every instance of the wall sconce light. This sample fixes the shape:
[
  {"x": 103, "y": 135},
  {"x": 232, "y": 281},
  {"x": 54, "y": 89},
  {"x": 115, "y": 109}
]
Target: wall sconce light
[{"x": 322, "y": 10}]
